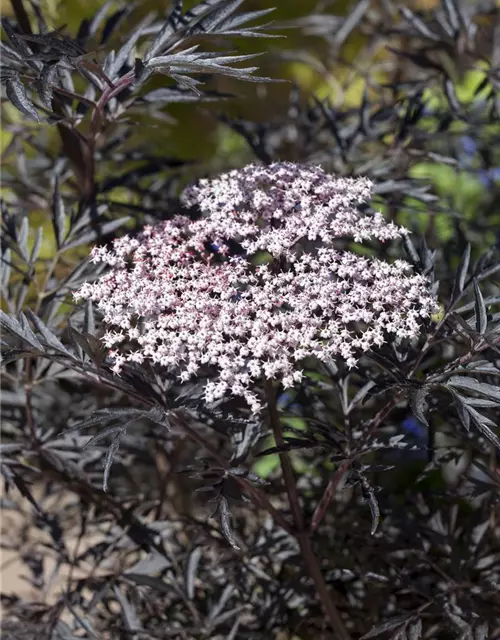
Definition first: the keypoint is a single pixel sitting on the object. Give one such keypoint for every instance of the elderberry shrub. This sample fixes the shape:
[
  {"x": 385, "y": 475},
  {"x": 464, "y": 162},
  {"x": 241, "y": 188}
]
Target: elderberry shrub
[{"x": 250, "y": 335}]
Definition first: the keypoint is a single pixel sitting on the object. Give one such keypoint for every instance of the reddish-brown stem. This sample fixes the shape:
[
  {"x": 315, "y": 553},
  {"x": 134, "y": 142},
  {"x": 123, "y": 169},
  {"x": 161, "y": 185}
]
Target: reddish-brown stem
[
  {"x": 286, "y": 465},
  {"x": 324, "y": 594},
  {"x": 384, "y": 412},
  {"x": 107, "y": 95},
  {"x": 327, "y": 496},
  {"x": 303, "y": 536}
]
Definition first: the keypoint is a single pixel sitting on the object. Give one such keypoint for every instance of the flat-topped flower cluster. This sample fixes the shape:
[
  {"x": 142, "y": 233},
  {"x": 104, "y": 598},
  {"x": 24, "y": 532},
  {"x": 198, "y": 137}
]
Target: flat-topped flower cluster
[{"x": 190, "y": 296}]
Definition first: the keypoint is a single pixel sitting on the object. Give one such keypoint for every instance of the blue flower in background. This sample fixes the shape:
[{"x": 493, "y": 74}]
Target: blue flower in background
[
  {"x": 469, "y": 145},
  {"x": 286, "y": 401},
  {"x": 489, "y": 177},
  {"x": 467, "y": 152},
  {"x": 414, "y": 427},
  {"x": 417, "y": 435},
  {"x": 234, "y": 249}
]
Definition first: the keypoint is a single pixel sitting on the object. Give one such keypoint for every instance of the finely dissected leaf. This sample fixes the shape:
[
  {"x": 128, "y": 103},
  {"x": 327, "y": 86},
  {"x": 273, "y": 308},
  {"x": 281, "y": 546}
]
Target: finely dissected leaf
[
  {"x": 81, "y": 343},
  {"x": 483, "y": 424},
  {"x": 110, "y": 455},
  {"x": 369, "y": 495},
  {"x": 202, "y": 8},
  {"x": 216, "y": 17},
  {"x": 238, "y": 20},
  {"x": 245, "y": 440},
  {"x": 129, "y": 613},
  {"x": 360, "y": 395},
  {"x": 375, "y": 511},
  {"x": 483, "y": 366},
  {"x": 5, "y": 266},
  {"x": 224, "y": 519},
  {"x": 107, "y": 431},
  {"x": 197, "y": 63},
  {"x": 391, "y": 624},
  {"x": 107, "y": 415},
  {"x": 167, "y": 95},
  {"x": 167, "y": 31},
  {"x": 28, "y": 334},
  {"x": 45, "y": 83},
  {"x": 7, "y": 448},
  {"x": 21, "y": 330},
  {"x": 481, "y": 402},
  {"x": 22, "y": 238},
  {"x": 8, "y": 52},
  {"x": 220, "y": 605},
  {"x": 185, "y": 82},
  {"x": 16, "y": 93},
  {"x": 89, "y": 319},
  {"x": 12, "y": 477},
  {"x": 37, "y": 245},
  {"x": 458, "y": 284},
  {"x": 58, "y": 214},
  {"x": 468, "y": 307},
  {"x": 428, "y": 256},
  {"x": 90, "y": 236},
  {"x": 463, "y": 414},
  {"x": 471, "y": 384},
  {"x": 206, "y": 18},
  {"x": 418, "y": 403},
  {"x": 6, "y": 73},
  {"x": 480, "y": 310},
  {"x": 18, "y": 43},
  {"x": 191, "y": 569},
  {"x": 124, "y": 53},
  {"x": 50, "y": 339}
]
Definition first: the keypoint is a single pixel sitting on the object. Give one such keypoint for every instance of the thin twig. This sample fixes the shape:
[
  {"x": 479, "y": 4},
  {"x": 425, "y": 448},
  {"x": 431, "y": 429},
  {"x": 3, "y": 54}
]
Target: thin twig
[
  {"x": 286, "y": 465},
  {"x": 327, "y": 496},
  {"x": 303, "y": 536}
]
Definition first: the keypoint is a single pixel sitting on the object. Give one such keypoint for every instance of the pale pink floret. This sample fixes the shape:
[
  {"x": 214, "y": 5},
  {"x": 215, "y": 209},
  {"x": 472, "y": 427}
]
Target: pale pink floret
[{"x": 177, "y": 304}]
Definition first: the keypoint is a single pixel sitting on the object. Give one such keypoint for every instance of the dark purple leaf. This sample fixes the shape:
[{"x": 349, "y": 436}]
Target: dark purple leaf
[
  {"x": 191, "y": 569},
  {"x": 480, "y": 310},
  {"x": 459, "y": 282},
  {"x": 16, "y": 93},
  {"x": 390, "y": 625},
  {"x": 110, "y": 455},
  {"x": 45, "y": 85}
]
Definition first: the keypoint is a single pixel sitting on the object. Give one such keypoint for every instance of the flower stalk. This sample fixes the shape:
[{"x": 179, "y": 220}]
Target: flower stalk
[{"x": 303, "y": 536}]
